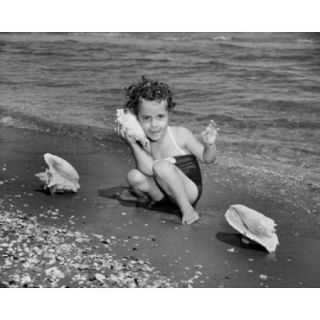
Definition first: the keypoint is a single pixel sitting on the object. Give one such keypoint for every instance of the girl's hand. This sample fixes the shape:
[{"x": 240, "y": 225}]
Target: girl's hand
[
  {"x": 209, "y": 135},
  {"x": 123, "y": 134}
]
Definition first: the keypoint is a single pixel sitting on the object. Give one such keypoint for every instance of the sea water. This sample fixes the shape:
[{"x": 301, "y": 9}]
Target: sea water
[{"x": 262, "y": 89}]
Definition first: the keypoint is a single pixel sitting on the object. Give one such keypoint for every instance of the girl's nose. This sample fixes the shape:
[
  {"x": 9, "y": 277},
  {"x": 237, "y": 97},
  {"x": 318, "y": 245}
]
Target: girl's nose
[{"x": 153, "y": 122}]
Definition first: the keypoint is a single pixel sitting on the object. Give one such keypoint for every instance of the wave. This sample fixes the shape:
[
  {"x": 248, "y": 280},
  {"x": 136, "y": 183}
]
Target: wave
[
  {"x": 280, "y": 106},
  {"x": 58, "y": 85},
  {"x": 222, "y": 38},
  {"x": 305, "y": 41},
  {"x": 248, "y": 123}
]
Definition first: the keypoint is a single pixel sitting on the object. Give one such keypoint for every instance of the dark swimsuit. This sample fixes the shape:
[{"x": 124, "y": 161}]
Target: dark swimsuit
[{"x": 189, "y": 165}]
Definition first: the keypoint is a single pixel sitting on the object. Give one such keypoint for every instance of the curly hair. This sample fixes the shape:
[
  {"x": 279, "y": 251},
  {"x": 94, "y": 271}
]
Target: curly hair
[{"x": 149, "y": 90}]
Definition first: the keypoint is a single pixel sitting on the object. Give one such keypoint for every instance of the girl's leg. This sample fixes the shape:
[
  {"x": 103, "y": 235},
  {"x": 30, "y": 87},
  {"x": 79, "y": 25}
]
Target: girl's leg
[
  {"x": 179, "y": 187},
  {"x": 143, "y": 184}
]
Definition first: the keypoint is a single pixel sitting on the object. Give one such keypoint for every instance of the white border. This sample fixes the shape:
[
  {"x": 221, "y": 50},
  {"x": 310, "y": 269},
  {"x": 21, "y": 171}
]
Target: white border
[
  {"x": 159, "y": 15},
  {"x": 263, "y": 304}
]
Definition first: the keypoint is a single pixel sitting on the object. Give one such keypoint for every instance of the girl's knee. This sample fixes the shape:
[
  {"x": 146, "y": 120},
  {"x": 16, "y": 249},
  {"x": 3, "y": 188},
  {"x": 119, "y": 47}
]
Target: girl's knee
[
  {"x": 135, "y": 177},
  {"x": 162, "y": 168}
]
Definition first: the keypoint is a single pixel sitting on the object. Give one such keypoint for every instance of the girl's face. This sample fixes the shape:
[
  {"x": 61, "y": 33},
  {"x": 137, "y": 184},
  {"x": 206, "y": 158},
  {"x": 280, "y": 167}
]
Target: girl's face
[{"x": 153, "y": 117}]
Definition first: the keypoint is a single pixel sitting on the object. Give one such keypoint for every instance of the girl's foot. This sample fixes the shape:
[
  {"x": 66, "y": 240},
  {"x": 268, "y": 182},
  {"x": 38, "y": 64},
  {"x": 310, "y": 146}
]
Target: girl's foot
[
  {"x": 190, "y": 216},
  {"x": 131, "y": 195}
]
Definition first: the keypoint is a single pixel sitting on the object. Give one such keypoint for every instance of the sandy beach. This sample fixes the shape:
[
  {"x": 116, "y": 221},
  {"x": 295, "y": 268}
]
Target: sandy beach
[{"x": 94, "y": 239}]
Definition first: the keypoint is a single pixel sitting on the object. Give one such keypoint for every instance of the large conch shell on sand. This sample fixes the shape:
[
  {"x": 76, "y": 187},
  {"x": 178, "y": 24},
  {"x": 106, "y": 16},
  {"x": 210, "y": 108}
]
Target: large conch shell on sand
[
  {"x": 129, "y": 122},
  {"x": 253, "y": 225},
  {"x": 61, "y": 176}
]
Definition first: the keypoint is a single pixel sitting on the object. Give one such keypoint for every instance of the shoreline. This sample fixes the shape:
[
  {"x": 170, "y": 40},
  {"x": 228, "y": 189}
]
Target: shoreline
[
  {"x": 202, "y": 254},
  {"x": 231, "y": 157}
]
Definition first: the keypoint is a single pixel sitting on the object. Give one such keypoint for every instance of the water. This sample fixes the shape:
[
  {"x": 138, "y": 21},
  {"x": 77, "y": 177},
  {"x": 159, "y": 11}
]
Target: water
[{"x": 263, "y": 89}]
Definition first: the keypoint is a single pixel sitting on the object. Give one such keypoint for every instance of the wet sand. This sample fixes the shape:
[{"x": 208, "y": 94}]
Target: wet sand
[{"x": 206, "y": 254}]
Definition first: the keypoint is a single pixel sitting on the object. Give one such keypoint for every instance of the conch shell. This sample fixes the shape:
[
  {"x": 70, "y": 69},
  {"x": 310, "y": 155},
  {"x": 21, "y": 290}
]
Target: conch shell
[
  {"x": 253, "y": 225},
  {"x": 129, "y": 122},
  {"x": 60, "y": 176}
]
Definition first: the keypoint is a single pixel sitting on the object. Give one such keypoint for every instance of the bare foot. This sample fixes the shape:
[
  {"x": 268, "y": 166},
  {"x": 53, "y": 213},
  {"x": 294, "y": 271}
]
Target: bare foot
[
  {"x": 131, "y": 195},
  {"x": 190, "y": 216},
  {"x": 126, "y": 195}
]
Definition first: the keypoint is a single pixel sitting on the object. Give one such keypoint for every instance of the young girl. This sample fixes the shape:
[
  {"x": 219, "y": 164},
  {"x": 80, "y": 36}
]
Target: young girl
[{"x": 168, "y": 170}]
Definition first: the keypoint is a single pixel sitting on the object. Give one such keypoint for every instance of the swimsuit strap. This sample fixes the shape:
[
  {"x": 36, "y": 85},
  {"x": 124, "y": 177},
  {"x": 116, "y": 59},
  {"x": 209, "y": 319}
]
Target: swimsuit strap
[{"x": 182, "y": 153}]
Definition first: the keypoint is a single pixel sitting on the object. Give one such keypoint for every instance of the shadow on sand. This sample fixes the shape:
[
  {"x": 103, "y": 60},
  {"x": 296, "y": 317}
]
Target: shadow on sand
[
  {"x": 128, "y": 199},
  {"x": 234, "y": 239},
  {"x": 47, "y": 192}
]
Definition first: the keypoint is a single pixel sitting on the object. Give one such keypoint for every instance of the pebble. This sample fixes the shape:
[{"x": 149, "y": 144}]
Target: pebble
[
  {"x": 263, "y": 277},
  {"x": 83, "y": 266},
  {"x": 25, "y": 279},
  {"x": 100, "y": 277},
  {"x": 54, "y": 271}
]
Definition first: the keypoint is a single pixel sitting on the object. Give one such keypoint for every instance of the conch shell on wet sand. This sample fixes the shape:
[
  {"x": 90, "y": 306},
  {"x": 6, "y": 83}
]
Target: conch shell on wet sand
[
  {"x": 129, "y": 122},
  {"x": 253, "y": 225},
  {"x": 60, "y": 177}
]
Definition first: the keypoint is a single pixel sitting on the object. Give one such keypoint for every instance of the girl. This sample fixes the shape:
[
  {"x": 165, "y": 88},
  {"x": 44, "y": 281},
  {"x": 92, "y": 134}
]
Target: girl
[{"x": 168, "y": 170}]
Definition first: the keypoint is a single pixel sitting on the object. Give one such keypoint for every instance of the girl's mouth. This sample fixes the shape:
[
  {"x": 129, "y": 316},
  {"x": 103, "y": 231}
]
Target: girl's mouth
[{"x": 155, "y": 132}]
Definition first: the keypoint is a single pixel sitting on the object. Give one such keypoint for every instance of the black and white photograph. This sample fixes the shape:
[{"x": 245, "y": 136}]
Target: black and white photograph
[{"x": 159, "y": 159}]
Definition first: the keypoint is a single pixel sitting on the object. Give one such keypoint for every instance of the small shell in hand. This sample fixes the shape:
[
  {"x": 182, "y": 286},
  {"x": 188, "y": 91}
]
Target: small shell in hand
[
  {"x": 130, "y": 124},
  {"x": 209, "y": 135},
  {"x": 61, "y": 176}
]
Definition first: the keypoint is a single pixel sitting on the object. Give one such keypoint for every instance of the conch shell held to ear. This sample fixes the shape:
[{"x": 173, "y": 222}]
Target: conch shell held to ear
[
  {"x": 253, "y": 225},
  {"x": 60, "y": 176},
  {"x": 129, "y": 122}
]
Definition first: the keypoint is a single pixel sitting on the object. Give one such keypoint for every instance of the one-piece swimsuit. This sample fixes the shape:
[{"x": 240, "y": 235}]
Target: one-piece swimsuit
[{"x": 188, "y": 164}]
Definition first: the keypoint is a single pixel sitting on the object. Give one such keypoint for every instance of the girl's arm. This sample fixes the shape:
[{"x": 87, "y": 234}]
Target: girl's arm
[
  {"x": 143, "y": 160},
  {"x": 206, "y": 152},
  {"x": 209, "y": 154},
  {"x": 209, "y": 136}
]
